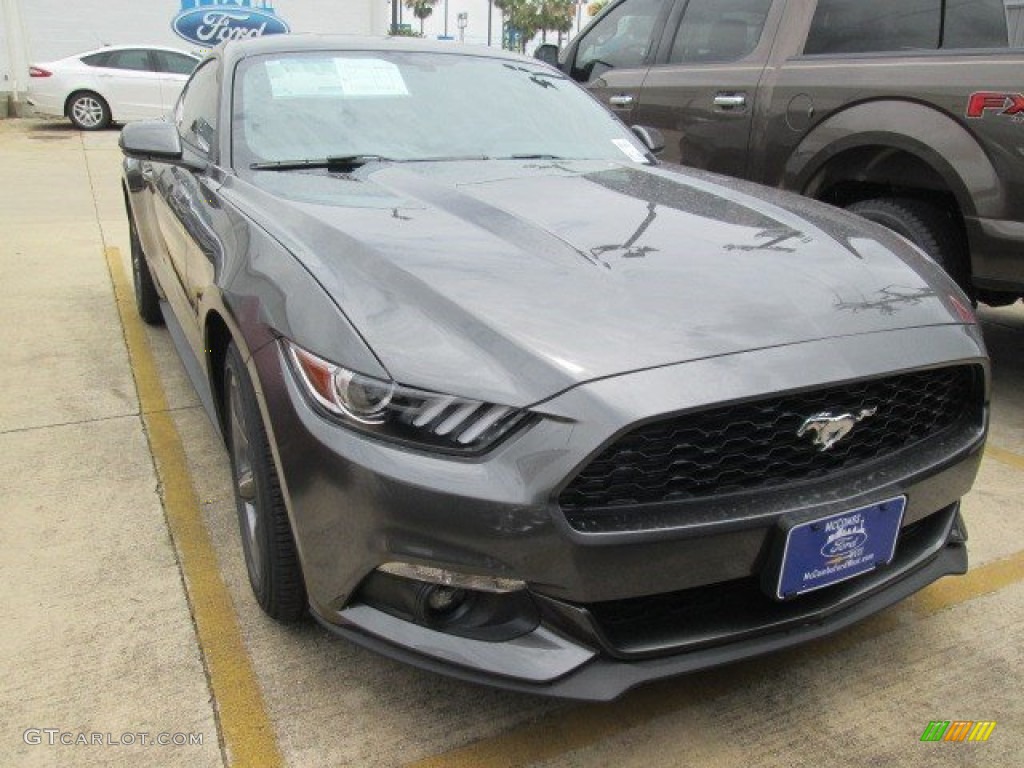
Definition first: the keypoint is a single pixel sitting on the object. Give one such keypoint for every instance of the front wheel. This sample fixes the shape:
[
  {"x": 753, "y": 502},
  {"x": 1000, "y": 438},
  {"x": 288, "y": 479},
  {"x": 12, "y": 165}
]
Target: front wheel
[
  {"x": 927, "y": 226},
  {"x": 88, "y": 111},
  {"x": 147, "y": 300},
  {"x": 271, "y": 557}
]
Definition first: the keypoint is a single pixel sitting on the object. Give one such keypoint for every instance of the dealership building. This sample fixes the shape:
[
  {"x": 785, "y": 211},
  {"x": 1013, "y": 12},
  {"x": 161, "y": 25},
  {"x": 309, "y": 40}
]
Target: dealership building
[{"x": 43, "y": 30}]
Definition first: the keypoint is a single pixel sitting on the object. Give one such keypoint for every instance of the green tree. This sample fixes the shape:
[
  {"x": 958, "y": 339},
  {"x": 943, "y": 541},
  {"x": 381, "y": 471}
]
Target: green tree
[
  {"x": 421, "y": 9},
  {"x": 528, "y": 17}
]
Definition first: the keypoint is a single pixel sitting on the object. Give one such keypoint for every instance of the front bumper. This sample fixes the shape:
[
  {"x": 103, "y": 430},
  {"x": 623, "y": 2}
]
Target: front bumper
[
  {"x": 357, "y": 503},
  {"x": 551, "y": 664}
]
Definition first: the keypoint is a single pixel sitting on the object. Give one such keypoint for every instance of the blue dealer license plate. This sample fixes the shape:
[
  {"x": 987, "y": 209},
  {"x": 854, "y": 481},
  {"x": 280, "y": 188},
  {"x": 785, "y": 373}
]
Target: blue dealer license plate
[{"x": 836, "y": 548}]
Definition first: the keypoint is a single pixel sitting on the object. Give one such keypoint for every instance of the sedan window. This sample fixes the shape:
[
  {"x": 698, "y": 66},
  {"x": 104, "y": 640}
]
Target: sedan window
[
  {"x": 196, "y": 112},
  {"x": 135, "y": 59},
  {"x": 96, "y": 59},
  {"x": 175, "y": 63}
]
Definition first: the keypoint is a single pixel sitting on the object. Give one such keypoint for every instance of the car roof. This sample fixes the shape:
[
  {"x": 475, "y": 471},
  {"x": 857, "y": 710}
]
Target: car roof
[{"x": 236, "y": 50}]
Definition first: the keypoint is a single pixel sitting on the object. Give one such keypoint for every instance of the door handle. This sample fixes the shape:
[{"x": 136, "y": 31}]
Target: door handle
[
  {"x": 730, "y": 100},
  {"x": 624, "y": 100}
]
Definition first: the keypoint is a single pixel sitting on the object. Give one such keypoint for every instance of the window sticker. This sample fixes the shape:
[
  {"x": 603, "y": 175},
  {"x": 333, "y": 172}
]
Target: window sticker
[
  {"x": 346, "y": 77},
  {"x": 370, "y": 77},
  {"x": 296, "y": 78},
  {"x": 630, "y": 151}
]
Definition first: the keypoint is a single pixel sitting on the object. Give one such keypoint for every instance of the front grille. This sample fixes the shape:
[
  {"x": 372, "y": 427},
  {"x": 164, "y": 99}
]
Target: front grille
[{"x": 754, "y": 445}]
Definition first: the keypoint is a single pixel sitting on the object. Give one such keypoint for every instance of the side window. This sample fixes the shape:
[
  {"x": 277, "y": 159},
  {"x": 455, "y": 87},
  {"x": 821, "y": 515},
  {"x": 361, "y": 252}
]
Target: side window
[
  {"x": 196, "y": 111},
  {"x": 975, "y": 24},
  {"x": 620, "y": 39},
  {"x": 96, "y": 59},
  {"x": 719, "y": 30},
  {"x": 175, "y": 63},
  {"x": 861, "y": 26},
  {"x": 136, "y": 60}
]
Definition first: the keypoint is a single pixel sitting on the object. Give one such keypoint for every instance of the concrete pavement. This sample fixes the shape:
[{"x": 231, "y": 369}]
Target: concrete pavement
[{"x": 128, "y": 609}]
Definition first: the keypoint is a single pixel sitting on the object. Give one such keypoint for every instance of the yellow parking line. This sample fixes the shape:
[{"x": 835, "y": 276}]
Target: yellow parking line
[
  {"x": 590, "y": 724},
  {"x": 1004, "y": 456},
  {"x": 247, "y": 733}
]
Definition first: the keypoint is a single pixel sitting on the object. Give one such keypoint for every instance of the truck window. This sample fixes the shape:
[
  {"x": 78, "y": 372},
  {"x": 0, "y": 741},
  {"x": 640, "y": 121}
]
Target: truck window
[
  {"x": 620, "y": 39},
  {"x": 861, "y": 26},
  {"x": 975, "y": 24},
  {"x": 719, "y": 30}
]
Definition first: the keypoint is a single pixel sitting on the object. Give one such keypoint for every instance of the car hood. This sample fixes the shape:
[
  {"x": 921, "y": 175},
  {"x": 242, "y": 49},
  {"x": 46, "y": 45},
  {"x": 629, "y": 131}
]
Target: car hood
[{"x": 512, "y": 281}]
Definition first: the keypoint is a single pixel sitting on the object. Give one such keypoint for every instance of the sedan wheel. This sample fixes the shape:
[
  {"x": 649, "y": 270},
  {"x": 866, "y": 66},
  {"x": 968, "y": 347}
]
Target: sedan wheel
[
  {"x": 267, "y": 542},
  {"x": 89, "y": 112}
]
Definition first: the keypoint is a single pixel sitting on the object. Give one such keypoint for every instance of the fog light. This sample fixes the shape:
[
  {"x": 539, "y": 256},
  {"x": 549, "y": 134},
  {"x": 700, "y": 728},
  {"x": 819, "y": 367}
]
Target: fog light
[
  {"x": 479, "y": 607},
  {"x": 453, "y": 579},
  {"x": 444, "y": 599}
]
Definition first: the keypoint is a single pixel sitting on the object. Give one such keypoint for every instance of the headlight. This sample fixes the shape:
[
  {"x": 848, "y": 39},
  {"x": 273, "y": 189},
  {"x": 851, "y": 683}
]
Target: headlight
[{"x": 391, "y": 411}]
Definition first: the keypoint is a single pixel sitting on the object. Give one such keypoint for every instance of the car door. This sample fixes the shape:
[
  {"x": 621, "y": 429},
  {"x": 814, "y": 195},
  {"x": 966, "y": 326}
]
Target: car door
[
  {"x": 702, "y": 88},
  {"x": 175, "y": 69},
  {"x": 613, "y": 55},
  {"x": 183, "y": 198},
  {"x": 129, "y": 82}
]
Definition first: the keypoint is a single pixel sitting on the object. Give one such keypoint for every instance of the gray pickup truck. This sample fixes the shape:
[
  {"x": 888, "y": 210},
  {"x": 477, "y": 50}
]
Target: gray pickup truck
[{"x": 909, "y": 112}]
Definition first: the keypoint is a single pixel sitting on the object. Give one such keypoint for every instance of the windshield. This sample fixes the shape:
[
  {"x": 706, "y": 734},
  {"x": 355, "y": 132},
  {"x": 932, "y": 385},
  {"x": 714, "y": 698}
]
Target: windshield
[{"x": 410, "y": 106}]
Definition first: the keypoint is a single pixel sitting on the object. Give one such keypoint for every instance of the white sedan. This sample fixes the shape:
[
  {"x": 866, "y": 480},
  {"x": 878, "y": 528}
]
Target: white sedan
[{"x": 112, "y": 84}]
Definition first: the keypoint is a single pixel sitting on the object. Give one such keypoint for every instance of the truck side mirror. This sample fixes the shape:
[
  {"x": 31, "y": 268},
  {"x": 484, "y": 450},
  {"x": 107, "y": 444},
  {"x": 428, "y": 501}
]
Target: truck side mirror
[
  {"x": 650, "y": 136},
  {"x": 548, "y": 53}
]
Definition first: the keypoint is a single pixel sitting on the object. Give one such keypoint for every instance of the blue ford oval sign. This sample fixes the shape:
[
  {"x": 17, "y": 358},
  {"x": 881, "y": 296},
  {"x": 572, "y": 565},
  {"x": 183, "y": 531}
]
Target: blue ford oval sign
[{"x": 206, "y": 23}]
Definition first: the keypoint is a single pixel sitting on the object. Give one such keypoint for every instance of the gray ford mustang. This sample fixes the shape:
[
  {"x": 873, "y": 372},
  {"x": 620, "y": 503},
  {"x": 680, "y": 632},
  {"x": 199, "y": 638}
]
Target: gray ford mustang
[{"x": 506, "y": 398}]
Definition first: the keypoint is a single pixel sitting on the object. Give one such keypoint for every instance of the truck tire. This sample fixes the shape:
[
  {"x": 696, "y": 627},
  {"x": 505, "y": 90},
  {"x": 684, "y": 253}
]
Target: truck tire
[{"x": 925, "y": 225}]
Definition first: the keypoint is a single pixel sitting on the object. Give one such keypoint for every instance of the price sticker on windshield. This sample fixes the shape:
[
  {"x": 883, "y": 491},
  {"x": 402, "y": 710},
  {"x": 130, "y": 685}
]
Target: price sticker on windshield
[{"x": 370, "y": 77}]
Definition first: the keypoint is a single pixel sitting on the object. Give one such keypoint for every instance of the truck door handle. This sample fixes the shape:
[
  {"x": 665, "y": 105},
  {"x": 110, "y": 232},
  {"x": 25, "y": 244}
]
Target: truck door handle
[
  {"x": 624, "y": 100},
  {"x": 730, "y": 100}
]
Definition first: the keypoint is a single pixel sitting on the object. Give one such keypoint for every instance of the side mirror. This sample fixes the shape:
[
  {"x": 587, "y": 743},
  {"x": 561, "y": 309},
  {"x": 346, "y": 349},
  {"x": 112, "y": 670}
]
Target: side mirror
[
  {"x": 151, "y": 140},
  {"x": 650, "y": 136},
  {"x": 548, "y": 53},
  {"x": 158, "y": 141}
]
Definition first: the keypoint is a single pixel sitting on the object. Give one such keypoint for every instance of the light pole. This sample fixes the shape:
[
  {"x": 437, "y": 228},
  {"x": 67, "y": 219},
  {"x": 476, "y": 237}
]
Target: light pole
[
  {"x": 490, "y": 9},
  {"x": 446, "y": 18}
]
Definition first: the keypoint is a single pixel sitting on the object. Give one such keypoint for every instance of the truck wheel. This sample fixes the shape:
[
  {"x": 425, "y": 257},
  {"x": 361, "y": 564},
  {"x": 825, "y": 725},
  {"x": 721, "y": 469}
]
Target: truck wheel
[
  {"x": 926, "y": 226},
  {"x": 271, "y": 558}
]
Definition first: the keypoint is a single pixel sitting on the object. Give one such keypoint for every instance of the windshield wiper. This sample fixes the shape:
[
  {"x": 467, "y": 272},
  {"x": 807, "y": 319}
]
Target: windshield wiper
[
  {"x": 539, "y": 156},
  {"x": 340, "y": 163}
]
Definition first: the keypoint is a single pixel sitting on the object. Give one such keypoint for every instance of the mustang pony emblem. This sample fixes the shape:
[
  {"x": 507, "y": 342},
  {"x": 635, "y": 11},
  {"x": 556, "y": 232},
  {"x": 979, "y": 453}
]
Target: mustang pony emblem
[{"x": 829, "y": 428}]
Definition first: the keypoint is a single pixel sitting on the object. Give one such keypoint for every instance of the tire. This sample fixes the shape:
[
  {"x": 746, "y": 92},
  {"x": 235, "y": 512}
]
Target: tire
[
  {"x": 271, "y": 558},
  {"x": 88, "y": 111},
  {"x": 147, "y": 300},
  {"x": 925, "y": 225}
]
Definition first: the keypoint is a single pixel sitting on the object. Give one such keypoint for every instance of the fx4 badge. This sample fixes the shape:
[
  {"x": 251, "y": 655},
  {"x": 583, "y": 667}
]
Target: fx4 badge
[
  {"x": 1008, "y": 104},
  {"x": 830, "y": 428}
]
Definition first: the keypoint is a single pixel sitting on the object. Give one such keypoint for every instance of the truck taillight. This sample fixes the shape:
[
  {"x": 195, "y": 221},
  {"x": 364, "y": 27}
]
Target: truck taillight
[{"x": 38, "y": 72}]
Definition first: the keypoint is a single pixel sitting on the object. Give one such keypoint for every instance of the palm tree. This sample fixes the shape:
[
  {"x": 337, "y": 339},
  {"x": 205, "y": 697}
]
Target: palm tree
[{"x": 421, "y": 9}]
